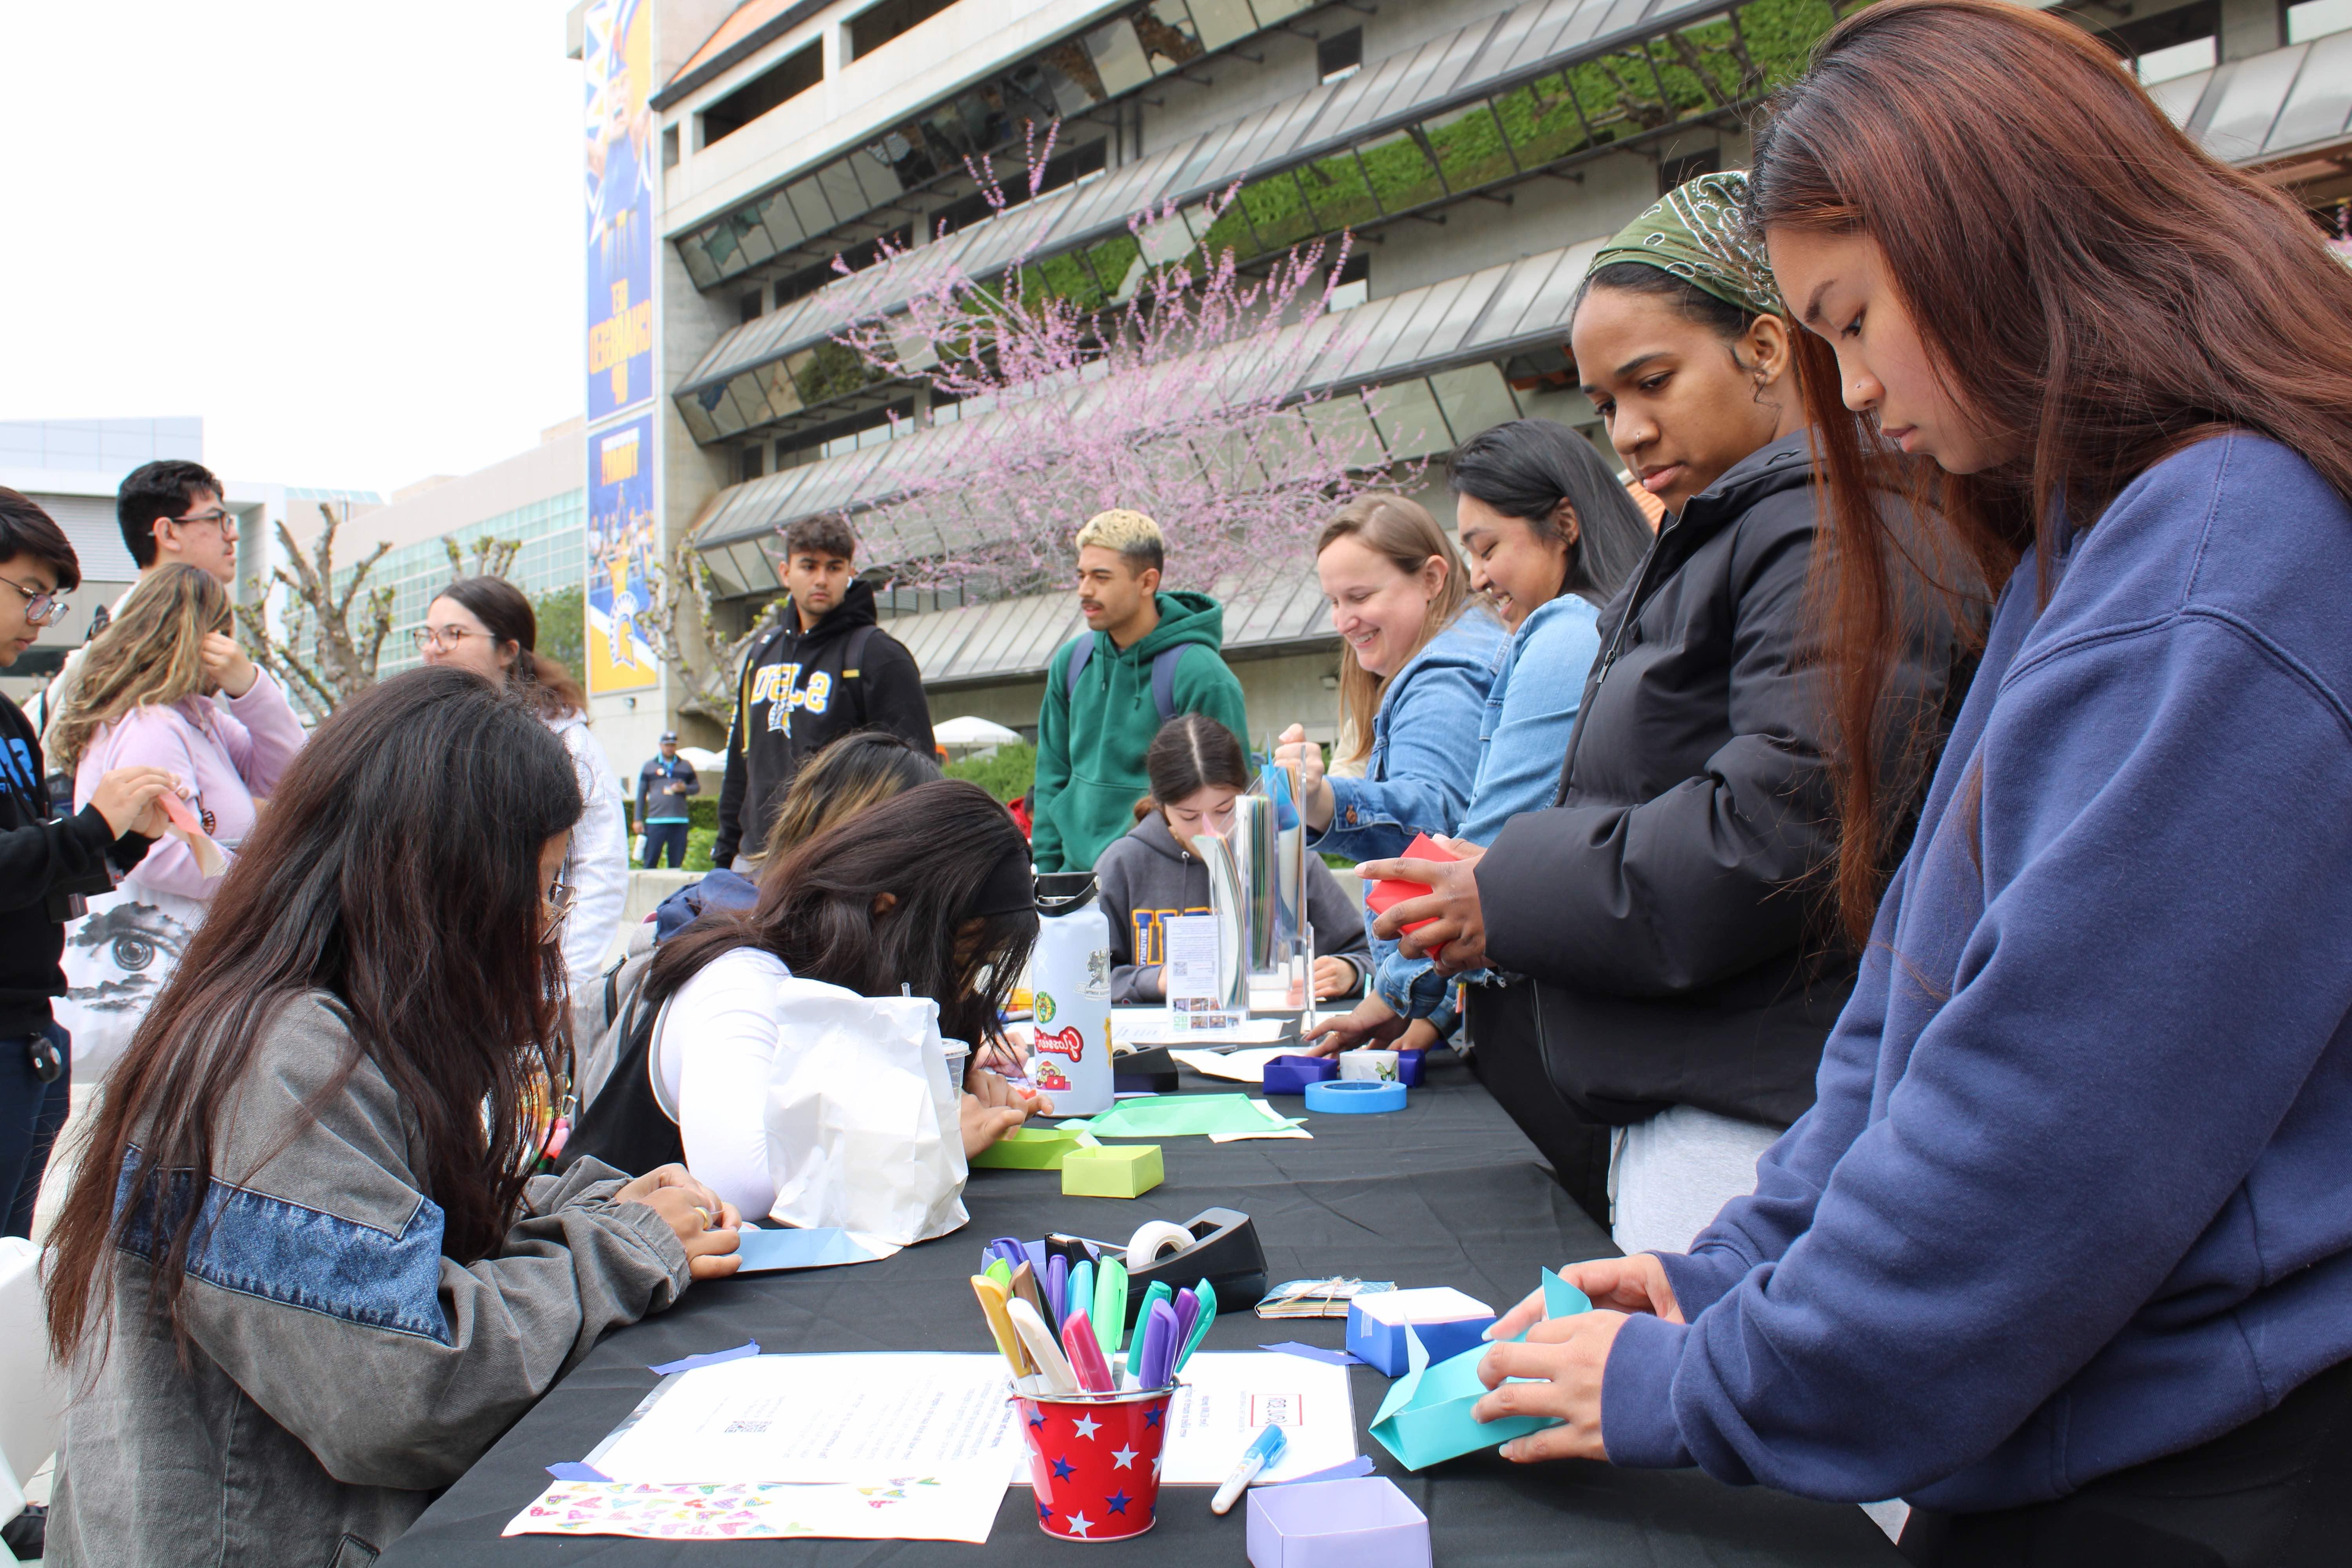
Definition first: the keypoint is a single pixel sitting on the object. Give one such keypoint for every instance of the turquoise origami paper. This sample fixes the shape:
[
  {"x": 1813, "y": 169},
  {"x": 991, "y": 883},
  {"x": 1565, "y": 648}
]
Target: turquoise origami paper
[{"x": 1426, "y": 1416}]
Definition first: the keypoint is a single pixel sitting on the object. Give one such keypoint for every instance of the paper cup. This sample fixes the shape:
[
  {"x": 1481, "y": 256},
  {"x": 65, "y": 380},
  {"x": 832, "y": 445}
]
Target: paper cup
[
  {"x": 1374, "y": 1067},
  {"x": 1094, "y": 1460}
]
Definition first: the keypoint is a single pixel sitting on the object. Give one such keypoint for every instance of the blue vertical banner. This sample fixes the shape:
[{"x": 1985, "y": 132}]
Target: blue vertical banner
[
  {"x": 624, "y": 533},
  {"x": 618, "y": 47},
  {"x": 622, "y": 543}
]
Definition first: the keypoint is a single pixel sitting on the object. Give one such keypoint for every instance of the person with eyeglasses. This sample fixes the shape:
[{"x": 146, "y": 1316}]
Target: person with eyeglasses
[
  {"x": 172, "y": 513},
  {"x": 485, "y": 625},
  {"x": 48, "y": 859}
]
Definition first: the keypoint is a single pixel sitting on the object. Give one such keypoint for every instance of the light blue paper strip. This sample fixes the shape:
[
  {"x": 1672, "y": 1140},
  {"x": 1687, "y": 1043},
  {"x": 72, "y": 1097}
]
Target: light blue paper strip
[
  {"x": 575, "y": 1471},
  {"x": 1361, "y": 1465},
  {"x": 709, "y": 1358},
  {"x": 765, "y": 1251},
  {"x": 1316, "y": 1353}
]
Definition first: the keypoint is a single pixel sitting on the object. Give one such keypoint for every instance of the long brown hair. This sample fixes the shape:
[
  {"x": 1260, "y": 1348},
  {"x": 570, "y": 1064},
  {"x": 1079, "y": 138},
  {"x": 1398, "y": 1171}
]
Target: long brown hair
[
  {"x": 934, "y": 849},
  {"x": 410, "y": 894},
  {"x": 853, "y": 771},
  {"x": 2096, "y": 291},
  {"x": 150, "y": 656},
  {"x": 500, "y": 606},
  {"x": 1401, "y": 529}
]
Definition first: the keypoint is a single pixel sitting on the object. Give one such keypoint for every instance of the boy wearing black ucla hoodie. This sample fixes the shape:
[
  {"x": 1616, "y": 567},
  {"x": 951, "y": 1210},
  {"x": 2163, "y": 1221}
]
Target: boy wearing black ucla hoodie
[
  {"x": 825, "y": 670},
  {"x": 46, "y": 860}
]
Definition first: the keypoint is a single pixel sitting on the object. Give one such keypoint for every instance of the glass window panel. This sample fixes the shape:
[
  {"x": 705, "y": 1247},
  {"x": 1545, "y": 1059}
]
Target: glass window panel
[
  {"x": 1231, "y": 229},
  {"x": 1469, "y": 148},
  {"x": 1338, "y": 192},
  {"x": 1258, "y": 142},
  {"x": 777, "y": 386},
  {"x": 1401, "y": 176},
  {"x": 874, "y": 176},
  {"x": 698, "y": 423},
  {"x": 1343, "y": 429},
  {"x": 752, "y": 398},
  {"x": 1406, "y": 417},
  {"x": 839, "y": 185},
  {"x": 1372, "y": 87},
  {"x": 1462, "y": 313},
  {"x": 776, "y": 216},
  {"x": 728, "y": 419},
  {"x": 1419, "y": 337},
  {"x": 1702, "y": 67},
  {"x": 1474, "y": 397},
  {"x": 1521, "y": 283},
  {"x": 1269, "y": 12},
  {"x": 1419, "y": 80},
  {"x": 754, "y": 565},
  {"x": 809, "y": 206},
  {"x": 720, "y": 243},
  {"x": 1117, "y": 56},
  {"x": 1277, "y": 211},
  {"x": 1541, "y": 123},
  {"x": 1220, "y": 22},
  {"x": 1619, "y": 94},
  {"x": 698, "y": 265},
  {"x": 752, "y": 241},
  {"x": 722, "y": 571},
  {"x": 1169, "y": 39},
  {"x": 829, "y": 370}
]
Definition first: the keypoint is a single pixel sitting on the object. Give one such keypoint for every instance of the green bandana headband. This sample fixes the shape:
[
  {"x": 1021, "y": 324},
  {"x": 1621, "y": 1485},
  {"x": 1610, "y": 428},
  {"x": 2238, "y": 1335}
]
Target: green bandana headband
[{"x": 1698, "y": 233}]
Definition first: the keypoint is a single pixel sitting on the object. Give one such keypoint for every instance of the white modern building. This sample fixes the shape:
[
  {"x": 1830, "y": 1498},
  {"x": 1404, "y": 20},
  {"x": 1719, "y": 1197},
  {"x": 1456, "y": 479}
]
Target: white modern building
[
  {"x": 72, "y": 468},
  {"x": 1478, "y": 150}
]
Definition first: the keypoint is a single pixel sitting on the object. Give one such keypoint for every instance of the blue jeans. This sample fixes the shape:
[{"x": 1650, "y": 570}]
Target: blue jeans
[
  {"x": 31, "y": 1113},
  {"x": 666, "y": 836}
]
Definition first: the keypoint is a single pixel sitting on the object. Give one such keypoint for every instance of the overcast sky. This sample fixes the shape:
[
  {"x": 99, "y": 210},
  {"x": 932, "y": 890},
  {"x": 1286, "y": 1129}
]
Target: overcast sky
[{"x": 348, "y": 237}]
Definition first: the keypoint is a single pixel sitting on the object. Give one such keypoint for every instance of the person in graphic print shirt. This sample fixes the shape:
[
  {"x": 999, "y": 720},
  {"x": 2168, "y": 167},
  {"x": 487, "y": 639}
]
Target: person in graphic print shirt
[{"x": 826, "y": 670}]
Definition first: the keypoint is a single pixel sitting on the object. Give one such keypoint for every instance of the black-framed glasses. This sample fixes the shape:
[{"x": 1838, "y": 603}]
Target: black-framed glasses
[
  {"x": 43, "y": 606},
  {"x": 219, "y": 516}
]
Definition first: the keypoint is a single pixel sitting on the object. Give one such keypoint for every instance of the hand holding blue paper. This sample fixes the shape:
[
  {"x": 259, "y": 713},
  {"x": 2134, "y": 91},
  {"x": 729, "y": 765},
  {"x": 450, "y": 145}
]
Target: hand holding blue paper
[
  {"x": 1551, "y": 1373},
  {"x": 1438, "y": 1412}
]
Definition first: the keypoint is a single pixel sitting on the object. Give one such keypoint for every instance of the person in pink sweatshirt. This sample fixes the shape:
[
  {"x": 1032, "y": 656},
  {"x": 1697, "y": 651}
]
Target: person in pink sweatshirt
[{"x": 146, "y": 698}]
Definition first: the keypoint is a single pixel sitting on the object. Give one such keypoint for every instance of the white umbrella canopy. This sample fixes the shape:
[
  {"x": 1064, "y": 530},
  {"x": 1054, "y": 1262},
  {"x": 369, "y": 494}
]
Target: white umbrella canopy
[
  {"x": 971, "y": 731},
  {"x": 703, "y": 762}
]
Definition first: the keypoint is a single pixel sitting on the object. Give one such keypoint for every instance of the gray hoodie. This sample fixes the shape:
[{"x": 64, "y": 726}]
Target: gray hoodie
[
  {"x": 343, "y": 1369},
  {"x": 1144, "y": 879}
]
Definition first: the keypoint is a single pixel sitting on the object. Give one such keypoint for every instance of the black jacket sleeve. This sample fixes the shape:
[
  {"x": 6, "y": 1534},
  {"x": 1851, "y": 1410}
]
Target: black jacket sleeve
[
  {"x": 736, "y": 784},
  {"x": 37, "y": 857},
  {"x": 894, "y": 692},
  {"x": 1696, "y": 885}
]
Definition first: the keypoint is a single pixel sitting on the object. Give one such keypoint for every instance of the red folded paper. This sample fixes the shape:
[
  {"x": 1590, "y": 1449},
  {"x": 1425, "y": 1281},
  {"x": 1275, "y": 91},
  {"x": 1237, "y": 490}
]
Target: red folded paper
[{"x": 1392, "y": 890}]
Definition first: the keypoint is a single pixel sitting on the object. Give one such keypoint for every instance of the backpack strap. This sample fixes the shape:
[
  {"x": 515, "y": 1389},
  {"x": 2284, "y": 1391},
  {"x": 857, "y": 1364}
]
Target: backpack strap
[
  {"x": 853, "y": 663},
  {"x": 1163, "y": 678},
  {"x": 1080, "y": 651}
]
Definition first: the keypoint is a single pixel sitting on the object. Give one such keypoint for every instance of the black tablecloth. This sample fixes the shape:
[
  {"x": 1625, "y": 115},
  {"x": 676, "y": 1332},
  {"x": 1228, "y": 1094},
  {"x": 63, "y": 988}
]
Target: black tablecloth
[{"x": 1447, "y": 1191}]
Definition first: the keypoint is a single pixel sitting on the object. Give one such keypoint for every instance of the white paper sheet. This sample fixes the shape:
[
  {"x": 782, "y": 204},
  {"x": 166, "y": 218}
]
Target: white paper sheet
[
  {"x": 810, "y": 1418},
  {"x": 1248, "y": 1065},
  {"x": 1224, "y": 1397},
  {"x": 1153, "y": 1027}
]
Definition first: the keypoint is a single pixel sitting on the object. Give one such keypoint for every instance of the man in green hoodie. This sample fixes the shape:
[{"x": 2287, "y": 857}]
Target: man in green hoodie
[{"x": 1144, "y": 658}]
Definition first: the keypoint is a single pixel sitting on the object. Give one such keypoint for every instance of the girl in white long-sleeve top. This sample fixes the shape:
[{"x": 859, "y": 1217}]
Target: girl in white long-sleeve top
[{"x": 485, "y": 625}]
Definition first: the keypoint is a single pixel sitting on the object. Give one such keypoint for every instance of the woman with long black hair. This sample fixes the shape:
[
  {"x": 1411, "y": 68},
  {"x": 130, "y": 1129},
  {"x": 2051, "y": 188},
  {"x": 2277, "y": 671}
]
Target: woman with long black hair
[
  {"x": 2063, "y": 1253},
  {"x": 302, "y": 1278},
  {"x": 927, "y": 893}
]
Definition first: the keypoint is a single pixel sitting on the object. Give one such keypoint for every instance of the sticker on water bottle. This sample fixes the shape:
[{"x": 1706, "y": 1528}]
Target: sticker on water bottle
[
  {"x": 1043, "y": 1007},
  {"x": 1098, "y": 973}
]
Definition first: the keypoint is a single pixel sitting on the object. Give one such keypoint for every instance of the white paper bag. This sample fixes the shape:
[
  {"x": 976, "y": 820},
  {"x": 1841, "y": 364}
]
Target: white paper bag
[{"x": 865, "y": 1126}]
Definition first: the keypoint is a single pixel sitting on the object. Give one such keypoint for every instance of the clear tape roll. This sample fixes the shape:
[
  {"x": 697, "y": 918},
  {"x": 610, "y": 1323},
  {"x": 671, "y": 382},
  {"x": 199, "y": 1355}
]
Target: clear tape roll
[{"x": 1155, "y": 1240}]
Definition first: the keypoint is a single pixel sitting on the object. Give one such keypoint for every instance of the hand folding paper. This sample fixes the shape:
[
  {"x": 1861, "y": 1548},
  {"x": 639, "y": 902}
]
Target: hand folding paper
[{"x": 1426, "y": 1416}]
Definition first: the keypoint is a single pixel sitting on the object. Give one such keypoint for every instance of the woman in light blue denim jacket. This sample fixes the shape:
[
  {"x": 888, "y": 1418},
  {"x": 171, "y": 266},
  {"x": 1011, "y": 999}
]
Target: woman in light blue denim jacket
[
  {"x": 1549, "y": 536},
  {"x": 1413, "y": 683}
]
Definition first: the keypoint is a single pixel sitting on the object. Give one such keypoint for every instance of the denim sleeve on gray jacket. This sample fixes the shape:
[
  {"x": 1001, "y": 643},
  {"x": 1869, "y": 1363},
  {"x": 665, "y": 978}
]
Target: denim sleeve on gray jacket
[{"x": 322, "y": 1290}]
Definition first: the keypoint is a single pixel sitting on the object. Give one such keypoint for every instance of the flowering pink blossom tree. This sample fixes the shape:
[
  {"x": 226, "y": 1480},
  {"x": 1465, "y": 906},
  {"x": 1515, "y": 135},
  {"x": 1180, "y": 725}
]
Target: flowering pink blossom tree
[{"x": 1197, "y": 394}]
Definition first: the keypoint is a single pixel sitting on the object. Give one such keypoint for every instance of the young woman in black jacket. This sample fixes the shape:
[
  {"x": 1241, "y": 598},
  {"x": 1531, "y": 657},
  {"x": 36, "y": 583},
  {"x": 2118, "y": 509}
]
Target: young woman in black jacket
[{"x": 1679, "y": 969}]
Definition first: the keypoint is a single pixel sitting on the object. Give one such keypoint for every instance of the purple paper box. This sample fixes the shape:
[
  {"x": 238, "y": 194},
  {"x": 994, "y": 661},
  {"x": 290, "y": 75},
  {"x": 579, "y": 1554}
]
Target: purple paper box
[
  {"x": 1362, "y": 1523},
  {"x": 1291, "y": 1075}
]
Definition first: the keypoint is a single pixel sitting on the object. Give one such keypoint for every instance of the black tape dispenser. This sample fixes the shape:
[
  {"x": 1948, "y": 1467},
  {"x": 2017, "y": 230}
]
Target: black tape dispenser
[{"x": 1219, "y": 1246}]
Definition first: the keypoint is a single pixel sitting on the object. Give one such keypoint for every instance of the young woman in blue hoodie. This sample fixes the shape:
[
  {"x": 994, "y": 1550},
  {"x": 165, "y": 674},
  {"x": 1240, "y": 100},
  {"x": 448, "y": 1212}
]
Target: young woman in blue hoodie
[{"x": 2063, "y": 1252}]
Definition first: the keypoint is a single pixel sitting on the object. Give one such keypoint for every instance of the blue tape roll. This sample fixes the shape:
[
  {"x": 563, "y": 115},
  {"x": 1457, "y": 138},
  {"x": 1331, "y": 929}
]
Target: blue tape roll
[{"x": 1355, "y": 1097}]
